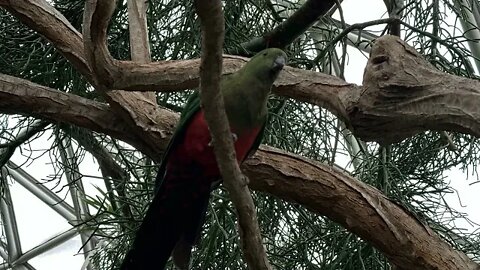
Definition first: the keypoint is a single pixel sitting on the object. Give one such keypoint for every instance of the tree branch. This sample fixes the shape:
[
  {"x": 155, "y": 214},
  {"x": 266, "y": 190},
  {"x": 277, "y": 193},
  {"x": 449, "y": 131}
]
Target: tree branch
[
  {"x": 139, "y": 111},
  {"x": 403, "y": 93},
  {"x": 212, "y": 25},
  {"x": 96, "y": 17},
  {"x": 393, "y": 95},
  {"x": 355, "y": 205},
  {"x": 320, "y": 188},
  {"x": 157, "y": 76},
  {"x": 18, "y": 96},
  {"x": 289, "y": 30},
  {"x": 139, "y": 43},
  {"x": 353, "y": 104}
]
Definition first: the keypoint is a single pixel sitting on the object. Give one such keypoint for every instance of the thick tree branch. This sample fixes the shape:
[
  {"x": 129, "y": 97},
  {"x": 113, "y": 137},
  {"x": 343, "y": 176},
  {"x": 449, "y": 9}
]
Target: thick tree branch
[
  {"x": 355, "y": 205},
  {"x": 40, "y": 16},
  {"x": 213, "y": 28},
  {"x": 139, "y": 110},
  {"x": 354, "y": 105},
  {"x": 404, "y": 95},
  {"x": 96, "y": 17},
  {"x": 321, "y": 188},
  {"x": 18, "y": 96}
]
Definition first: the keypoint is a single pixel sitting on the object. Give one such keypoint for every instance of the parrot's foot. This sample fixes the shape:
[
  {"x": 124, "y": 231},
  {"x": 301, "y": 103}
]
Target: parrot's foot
[
  {"x": 234, "y": 138},
  {"x": 245, "y": 179}
]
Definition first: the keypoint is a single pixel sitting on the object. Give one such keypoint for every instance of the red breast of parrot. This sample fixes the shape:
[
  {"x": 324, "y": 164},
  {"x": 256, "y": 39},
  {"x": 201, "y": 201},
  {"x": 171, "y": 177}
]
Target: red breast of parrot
[
  {"x": 175, "y": 216},
  {"x": 196, "y": 146}
]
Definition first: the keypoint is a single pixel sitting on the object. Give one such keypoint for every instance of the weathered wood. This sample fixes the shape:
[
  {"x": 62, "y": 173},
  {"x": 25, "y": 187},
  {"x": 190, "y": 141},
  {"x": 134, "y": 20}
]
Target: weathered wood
[{"x": 404, "y": 95}]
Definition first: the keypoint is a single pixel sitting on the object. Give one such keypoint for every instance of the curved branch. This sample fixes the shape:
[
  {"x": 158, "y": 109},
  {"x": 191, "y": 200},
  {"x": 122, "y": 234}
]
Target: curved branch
[
  {"x": 355, "y": 205},
  {"x": 139, "y": 110},
  {"x": 18, "y": 96},
  {"x": 96, "y": 17},
  {"x": 405, "y": 95}
]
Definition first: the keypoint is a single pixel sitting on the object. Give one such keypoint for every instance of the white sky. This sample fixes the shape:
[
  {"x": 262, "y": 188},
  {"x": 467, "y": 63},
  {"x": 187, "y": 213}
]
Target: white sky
[{"x": 37, "y": 222}]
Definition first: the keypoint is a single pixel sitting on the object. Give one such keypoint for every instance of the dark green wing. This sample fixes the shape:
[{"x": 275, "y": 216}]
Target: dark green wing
[
  {"x": 257, "y": 141},
  {"x": 192, "y": 106}
]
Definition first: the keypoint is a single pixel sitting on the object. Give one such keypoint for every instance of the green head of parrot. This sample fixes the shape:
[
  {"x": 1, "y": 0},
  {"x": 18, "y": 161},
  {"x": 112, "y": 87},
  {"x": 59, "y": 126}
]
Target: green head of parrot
[{"x": 267, "y": 64}]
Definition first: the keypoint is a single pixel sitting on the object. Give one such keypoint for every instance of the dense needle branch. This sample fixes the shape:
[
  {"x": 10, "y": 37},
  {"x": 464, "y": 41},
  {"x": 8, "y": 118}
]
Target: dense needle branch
[
  {"x": 42, "y": 17},
  {"x": 287, "y": 31},
  {"x": 111, "y": 170},
  {"x": 212, "y": 24}
]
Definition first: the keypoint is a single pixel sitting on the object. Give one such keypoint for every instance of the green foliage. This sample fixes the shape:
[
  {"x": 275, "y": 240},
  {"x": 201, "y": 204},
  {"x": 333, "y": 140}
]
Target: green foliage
[{"x": 410, "y": 173}]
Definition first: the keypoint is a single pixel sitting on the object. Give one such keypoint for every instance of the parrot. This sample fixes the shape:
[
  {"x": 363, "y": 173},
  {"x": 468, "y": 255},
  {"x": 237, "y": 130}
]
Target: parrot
[{"x": 188, "y": 171}]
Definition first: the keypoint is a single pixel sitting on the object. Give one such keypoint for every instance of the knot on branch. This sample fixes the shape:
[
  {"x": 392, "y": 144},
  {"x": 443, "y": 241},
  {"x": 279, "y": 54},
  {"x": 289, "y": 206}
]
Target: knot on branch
[{"x": 397, "y": 82}]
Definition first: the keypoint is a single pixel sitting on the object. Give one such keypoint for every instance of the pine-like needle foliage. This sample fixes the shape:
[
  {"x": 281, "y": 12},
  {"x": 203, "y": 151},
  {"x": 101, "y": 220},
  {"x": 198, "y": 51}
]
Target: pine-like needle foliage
[{"x": 410, "y": 173}]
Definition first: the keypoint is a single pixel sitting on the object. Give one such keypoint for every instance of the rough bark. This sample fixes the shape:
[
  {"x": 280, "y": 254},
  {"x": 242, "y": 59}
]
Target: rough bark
[
  {"x": 23, "y": 97},
  {"x": 138, "y": 32},
  {"x": 402, "y": 95},
  {"x": 357, "y": 106},
  {"x": 139, "y": 110},
  {"x": 322, "y": 189},
  {"x": 355, "y": 205}
]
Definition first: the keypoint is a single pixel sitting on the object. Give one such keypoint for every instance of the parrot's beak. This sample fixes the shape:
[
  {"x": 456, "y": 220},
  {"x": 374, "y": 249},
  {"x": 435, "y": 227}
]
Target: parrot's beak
[{"x": 279, "y": 62}]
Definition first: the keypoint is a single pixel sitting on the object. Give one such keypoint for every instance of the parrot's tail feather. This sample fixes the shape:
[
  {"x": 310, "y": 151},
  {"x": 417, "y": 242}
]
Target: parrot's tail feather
[{"x": 175, "y": 215}]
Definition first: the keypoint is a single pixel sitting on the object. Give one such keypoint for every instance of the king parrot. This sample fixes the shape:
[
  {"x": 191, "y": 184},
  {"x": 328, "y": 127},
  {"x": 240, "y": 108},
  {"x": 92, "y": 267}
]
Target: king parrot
[{"x": 189, "y": 171}]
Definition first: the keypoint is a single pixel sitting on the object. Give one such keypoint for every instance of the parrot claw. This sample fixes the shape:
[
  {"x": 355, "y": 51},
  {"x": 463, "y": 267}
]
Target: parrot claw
[
  {"x": 234, "y": 138},
  {"x": 246, "y": 181}
]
